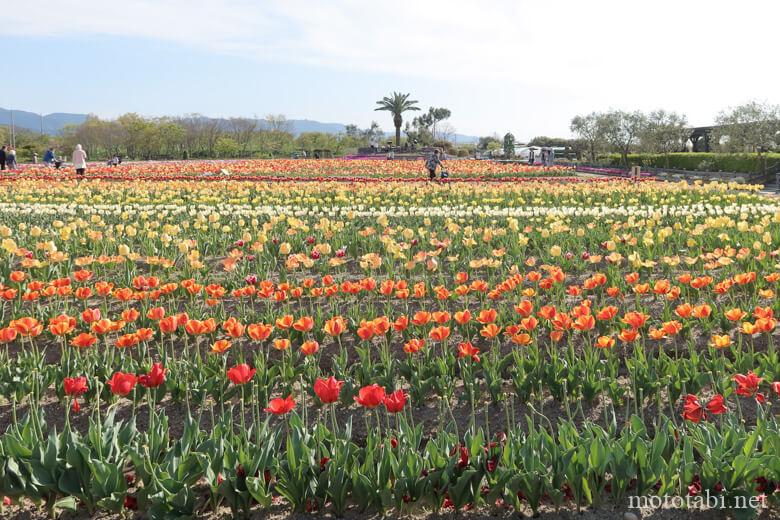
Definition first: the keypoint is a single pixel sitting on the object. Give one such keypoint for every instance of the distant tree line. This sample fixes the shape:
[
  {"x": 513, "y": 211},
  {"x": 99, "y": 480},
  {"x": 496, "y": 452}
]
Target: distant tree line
[
  {"x": 191, "y": 136},
  {"x": 752, "y": 127}
]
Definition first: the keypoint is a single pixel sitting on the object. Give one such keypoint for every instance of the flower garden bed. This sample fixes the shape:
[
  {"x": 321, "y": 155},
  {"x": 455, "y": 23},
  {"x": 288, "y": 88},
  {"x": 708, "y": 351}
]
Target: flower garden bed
[{"x": 246, "y": 347}]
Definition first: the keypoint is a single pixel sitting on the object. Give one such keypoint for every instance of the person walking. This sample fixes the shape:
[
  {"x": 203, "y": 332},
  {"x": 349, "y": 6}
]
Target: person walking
[
  {"x": 80, "y": 160},
  {"x": 433, "y": 161},
  {"x": 10, "y": 159},
  {"x": 3, "y": 157}
]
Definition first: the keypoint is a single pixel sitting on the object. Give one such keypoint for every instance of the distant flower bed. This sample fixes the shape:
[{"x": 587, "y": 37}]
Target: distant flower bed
[{"x": 304, "y": 168}]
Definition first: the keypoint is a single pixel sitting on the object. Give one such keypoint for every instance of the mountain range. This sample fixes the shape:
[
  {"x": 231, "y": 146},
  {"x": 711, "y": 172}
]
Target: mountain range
[{"x": 51, "y": 124}]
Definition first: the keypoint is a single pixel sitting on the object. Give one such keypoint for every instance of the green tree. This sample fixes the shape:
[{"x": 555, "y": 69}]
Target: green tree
[
  {"x": 622, "y": 131},
  {"x": 753, "y": 127},
  {"x": 135, "y": 129},
  {"x": 590, "y": 131},
  {"x": 397, "y": 104},
  {"x": 489, "y": 142},
  {"x": 437, "y": 115},
  {"x": 509, "y": 145},
  {"x": 665, "y": 132},
  {"x": 226, "y": 147}
]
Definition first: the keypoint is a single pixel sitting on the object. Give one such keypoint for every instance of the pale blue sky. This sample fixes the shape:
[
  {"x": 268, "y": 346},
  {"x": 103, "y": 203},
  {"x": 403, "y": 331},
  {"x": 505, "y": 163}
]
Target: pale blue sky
[{"x": 505, "y": 65}]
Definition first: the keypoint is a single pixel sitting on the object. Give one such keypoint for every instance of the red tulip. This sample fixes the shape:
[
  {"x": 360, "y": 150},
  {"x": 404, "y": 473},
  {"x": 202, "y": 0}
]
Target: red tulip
[
  {"x": 395, "y": 401},
  {"x": 747, "y": 385},
  {"x": 122, "y": 383},
  {"x": 75, "y": 386},
  {"x": 280, "y": 406},
  {"x": 241, "y": 374},
  {"x": 716, "y": 405},
  {"x": 370, "y": 396},
  {"x": 692, "y": 409},
  {"x": 328, "y": 389},
  {"x": 154, "y": 378}
]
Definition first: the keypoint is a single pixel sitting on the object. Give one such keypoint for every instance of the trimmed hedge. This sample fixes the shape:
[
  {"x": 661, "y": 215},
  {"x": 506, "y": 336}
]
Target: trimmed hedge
[{"x": 713, "y": 162}]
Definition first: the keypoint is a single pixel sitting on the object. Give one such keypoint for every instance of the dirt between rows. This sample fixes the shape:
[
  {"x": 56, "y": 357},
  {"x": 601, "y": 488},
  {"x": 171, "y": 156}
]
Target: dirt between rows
[{"x": 279, "y": 512}]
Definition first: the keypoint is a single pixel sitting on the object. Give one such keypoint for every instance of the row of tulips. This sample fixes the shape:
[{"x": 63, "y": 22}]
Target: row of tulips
[
  {"x": 117, "y": 466},
  {"x": 284, "y": 168}
]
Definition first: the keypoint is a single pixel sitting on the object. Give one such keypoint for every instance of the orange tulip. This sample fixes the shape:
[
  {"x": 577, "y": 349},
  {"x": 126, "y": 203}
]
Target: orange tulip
[
  {"x": 486, "y": 316},
  {"x": 439, "y": 333},
  {"x": 463, "y": 317},
  {"x": 168, "y": 325},
  {"x": 155, "y": 314},
  {"x": 701, "y": 311},
  {"x": 335, "y": 326},
  {"x": 304, "y": 324},
  {"x": 285, "y": 322},
  {"x": 628, "y": 335},
  {"x": 719, "y": 342},
  {"x": 490, "y": 331},
  {"x": 401, "y": 323},
  {"x": 27, "y": 327},
  {"x": 547, "y": 312},
  {"x": 467, "y": 350},
  {"x": 684, "y": 310},
  {"x": 83, "y": 293},
  {"x": 144, "y": 334},
  {"x": 83, "y": 340},
  {"x": 671, "y": 328},
  {"x": 521, "y": 339},
  {"x": 607, "y": 313},
  {"x": 421, "y": 318},
  {"x": 635, "y": 319},
  {"x": 130, "y": 315},
  {"x": 310, "y": 347},
  {"x": 259, "y": 331},
  {"x": 656, "y": 334},
  {"x": 233, "y": 327},
  {"x": 605, "y": 342},
  {"x": 414, "y": 345},
  {"x": 127, "y": 340},
  {"x": 584, "y": 323},
  {"x": 440, "y": 317},
  {"x": 281, "y": 344},
  {"x": 380, "y": 325},
  {"x": 524, "y": 308},
  {"x": 365, "y": 331},
  {"x": 8, "y": 334},
  {"x": 735, "y": 314},
  {"x": 90, "y": 315},
  {"x": 60, "y": 328},
  {"x": 221, "y": 346}
]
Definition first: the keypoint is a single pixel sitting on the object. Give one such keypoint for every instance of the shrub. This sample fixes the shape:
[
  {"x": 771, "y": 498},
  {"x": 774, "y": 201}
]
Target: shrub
[{"x": 722, "y": 162}]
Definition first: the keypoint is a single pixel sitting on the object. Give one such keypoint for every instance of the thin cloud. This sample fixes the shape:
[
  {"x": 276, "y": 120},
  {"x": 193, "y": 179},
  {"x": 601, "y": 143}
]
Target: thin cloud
[{"x": 693, "y": 57}]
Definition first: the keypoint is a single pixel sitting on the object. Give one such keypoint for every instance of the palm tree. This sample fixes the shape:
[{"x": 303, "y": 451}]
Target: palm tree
[{"x": 397, "y": 104}]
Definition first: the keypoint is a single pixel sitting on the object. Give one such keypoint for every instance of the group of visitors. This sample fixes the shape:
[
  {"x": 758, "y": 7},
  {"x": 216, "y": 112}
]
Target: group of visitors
[
  {"x": 7, "y": 157},
  {"x": 546, "y": 156},
  {"x": 50, "y": 159}
]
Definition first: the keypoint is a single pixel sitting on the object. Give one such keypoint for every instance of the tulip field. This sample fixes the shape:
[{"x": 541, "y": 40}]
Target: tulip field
[
  {"x": 339, "y": 337},
  {"x": 308, "y": 170}
]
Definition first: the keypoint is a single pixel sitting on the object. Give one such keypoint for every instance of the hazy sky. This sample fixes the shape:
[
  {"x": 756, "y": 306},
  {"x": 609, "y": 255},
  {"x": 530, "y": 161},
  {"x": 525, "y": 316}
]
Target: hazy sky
[{"x": 499, "y": 65}]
